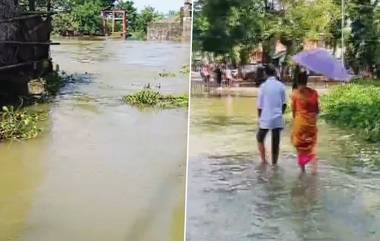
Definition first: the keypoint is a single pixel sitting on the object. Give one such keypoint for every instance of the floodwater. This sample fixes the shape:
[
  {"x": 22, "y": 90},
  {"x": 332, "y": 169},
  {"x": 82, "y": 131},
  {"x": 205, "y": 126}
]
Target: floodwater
[
  {"x": 102, "y": 170},
  {"x": 232, "y": 197}
]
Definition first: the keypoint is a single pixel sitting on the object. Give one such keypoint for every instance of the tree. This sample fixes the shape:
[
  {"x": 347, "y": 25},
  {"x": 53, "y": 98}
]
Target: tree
[
  {"x": 80, "y": 15},
  {"x": 131, "y": 11},
  {"x": 147, "y": 15},
  {"x": 223, "y": 25},
  {"x": 87, "y": 17},
  {"x": 363, "y": 51}
]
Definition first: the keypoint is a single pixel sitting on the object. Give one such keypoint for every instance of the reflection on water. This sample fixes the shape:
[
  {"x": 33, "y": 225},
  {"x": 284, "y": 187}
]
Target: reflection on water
[
  {"x": 232, "y": 197},
  {"x": 101, "y": 171}
]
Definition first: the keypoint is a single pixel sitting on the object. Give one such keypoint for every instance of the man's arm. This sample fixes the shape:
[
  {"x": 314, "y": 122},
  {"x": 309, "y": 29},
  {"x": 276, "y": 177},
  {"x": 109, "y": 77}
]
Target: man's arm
[
  {"x": 284, "y": 99},
  {"x": 284, "y": 108},
  {"x": 259, "y": 103}
]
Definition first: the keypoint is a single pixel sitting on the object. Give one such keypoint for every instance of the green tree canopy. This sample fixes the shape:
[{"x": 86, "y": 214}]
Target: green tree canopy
[
  {"x": 147, "y": 15},
  {"x": 132, "y": 12},
  {"x": 222, "y": 25}
]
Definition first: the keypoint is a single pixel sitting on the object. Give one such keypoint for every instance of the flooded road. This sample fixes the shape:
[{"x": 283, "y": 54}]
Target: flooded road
[
  {"x": 232, "y": 197},
  {"x": 102, "y": 170}
]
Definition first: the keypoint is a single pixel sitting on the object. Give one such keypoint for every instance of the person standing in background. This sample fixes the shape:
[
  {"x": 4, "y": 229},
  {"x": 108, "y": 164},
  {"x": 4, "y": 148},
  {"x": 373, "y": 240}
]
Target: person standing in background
[{"x": 219, "y": 73}]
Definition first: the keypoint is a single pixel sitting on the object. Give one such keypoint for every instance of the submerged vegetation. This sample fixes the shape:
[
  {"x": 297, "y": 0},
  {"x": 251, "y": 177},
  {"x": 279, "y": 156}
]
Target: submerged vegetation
[
  {"x": 18, "y": 124},
  {"x": 150, "y": 98},
  {"x": 166, "y": 74},
  {"x": 54, "y": 82},
  {"x": 185, "y": 69},
  {"x": 355, "y": 106}
]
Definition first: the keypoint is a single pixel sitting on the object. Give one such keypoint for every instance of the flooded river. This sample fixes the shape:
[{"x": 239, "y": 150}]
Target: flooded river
[
  {"x": 232, "y": 197},
  {"x": 102, "y": 170}
]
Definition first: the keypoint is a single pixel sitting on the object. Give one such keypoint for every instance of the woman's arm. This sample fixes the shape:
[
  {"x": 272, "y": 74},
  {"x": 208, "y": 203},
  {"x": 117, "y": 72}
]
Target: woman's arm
[
  {"x": 318, "y": 104},
  {"x": 293, "y": 99}
]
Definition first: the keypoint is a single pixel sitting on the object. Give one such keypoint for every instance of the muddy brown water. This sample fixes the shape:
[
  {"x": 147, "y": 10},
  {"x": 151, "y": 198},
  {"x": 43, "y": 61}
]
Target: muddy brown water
[
  {"x": 102, "y": 170},
  {"x": 232, "y": 197}
]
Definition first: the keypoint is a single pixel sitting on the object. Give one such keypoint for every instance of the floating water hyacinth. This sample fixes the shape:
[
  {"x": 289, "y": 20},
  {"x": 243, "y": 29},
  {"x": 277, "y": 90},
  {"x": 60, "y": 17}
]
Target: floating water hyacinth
[{"x": 150, "y": 98}]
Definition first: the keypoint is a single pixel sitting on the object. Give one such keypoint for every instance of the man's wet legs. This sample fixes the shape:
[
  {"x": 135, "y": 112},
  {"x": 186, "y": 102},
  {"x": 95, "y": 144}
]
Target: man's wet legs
[
  {"x": 261, "y": 134},
  {"x": 275, "y": 145}
]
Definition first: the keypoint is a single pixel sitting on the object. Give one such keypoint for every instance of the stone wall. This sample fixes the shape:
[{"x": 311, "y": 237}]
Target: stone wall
[
  {"x": 19, "y": 62},
  {"x": 177, "y": 30},
  {"x": 165, "y": 31},
  {"x": 8, "y": 30},
  {"x": 186, "y": 29}
]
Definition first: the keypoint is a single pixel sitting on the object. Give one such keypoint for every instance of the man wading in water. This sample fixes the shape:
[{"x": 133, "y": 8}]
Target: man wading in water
[{"x": 271, "y": 106}]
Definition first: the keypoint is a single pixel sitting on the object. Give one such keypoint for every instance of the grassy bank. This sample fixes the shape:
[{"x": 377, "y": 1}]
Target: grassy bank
[
  {"x": 150, "y": 98},
  {"x": 355, "y": 106}
]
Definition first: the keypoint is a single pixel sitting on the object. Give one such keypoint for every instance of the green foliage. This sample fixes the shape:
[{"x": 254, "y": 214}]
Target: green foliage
[
  {"x": 138, "y": 35},
  {"x": 87, "y": 17},
  {"x": 234, "y": 28},
  {"x": 355, "y": 106},
  {"x": 150, "y": 98},
  {"x": 147, "y": 15},
  {"x": 132, "y": 13},
  {"x": 185, "y": 69},
  {"x": 64, "y": 23},
  {"x": 165, "y": 74},
  {"x": 364, "y": 45},
  {"x": 54, "y": 82},
  {"x": 82, "y": 16},
  {"x": 18, "y": 124}
]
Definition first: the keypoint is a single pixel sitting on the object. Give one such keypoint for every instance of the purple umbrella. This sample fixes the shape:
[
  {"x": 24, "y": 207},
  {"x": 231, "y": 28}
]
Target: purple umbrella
[{"x": 322, "y": 62}]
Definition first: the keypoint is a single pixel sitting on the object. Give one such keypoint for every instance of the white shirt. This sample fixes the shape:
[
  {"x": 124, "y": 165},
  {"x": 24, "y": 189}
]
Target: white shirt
[
  {"x": 228, "y": 73},
  {"x": 272, "y": 97}
]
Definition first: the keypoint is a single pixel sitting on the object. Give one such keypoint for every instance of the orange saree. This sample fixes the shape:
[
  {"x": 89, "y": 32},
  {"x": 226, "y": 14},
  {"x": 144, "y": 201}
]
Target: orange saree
[{"x": 305, "y": 112}]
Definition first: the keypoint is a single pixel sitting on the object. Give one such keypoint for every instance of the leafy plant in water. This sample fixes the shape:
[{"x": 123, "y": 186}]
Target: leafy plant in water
[
  {"x": 150, "y": 98},
  {"x": 166, "y": 74},
  {"x": 185, "y": 69},
  {"x": 18, "y": 124}
]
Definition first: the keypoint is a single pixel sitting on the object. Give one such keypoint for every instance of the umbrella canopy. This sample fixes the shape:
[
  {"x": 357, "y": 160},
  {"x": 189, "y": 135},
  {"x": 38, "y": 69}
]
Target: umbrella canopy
[{"x": 322, "y": 62}]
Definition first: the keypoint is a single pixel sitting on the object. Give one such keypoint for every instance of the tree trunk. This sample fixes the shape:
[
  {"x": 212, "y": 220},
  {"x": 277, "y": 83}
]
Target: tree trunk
[
  {"x": 32, "y": 5},
  {"x": 268, "y": 46},
  {"x": 335, "y": 43}
]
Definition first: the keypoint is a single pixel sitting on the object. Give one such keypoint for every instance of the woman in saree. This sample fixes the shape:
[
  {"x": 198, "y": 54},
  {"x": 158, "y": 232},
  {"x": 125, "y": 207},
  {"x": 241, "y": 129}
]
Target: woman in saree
[{"x": 305, "y": 106}]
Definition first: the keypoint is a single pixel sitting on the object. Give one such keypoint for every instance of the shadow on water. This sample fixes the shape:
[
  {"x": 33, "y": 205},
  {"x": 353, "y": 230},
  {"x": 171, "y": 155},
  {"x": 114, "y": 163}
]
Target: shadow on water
[{"x": 231, "y": 196}]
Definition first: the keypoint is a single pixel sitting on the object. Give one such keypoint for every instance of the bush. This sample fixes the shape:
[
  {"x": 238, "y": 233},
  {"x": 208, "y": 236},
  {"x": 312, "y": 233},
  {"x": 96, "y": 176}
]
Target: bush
[
  {"x": 138, "y": 35},
  {"x": 18, "y": 124},
  {"x": 355, "y": 106},
  {"x": 150, "y": 98}
]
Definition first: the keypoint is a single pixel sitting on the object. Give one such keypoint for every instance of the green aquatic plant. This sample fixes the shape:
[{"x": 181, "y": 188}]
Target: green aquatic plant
[
  {"x": 150, "y": 98},
  {"x": 185, "y": 69},
  {"x": 166, "y": 74},
  {"x": 354, "y": 106},
  {"x": 18, "y": 124},
  {"x": 55, "y": 81}
]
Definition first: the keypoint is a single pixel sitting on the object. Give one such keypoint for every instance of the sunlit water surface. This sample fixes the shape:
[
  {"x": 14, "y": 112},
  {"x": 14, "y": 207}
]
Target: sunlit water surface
[{"x": 232, "y": 197}]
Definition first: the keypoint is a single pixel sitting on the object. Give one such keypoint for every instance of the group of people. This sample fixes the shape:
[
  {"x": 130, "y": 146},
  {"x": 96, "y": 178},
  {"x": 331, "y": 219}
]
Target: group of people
[
  {"x": 272, "y": 104},
  {"x": 220, "y": 72}
]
